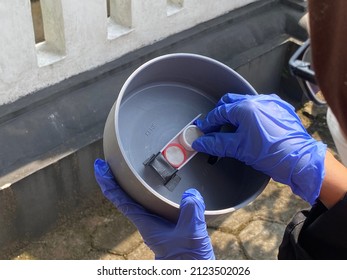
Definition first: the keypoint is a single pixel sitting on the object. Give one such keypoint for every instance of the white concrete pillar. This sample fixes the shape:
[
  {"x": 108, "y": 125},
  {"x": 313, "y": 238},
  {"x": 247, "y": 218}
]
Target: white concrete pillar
[
  {"x": 85, "y": 25},
  {"x": 53, "y": 23},
  {"x": 120, "y": 12},
  {"x": 17, "y": 46},
  {"x": 148, "y": 18},
  {"x": 120, "y": 21},
  {"x": 53, "y": 48},
  {"x": 173, "y": 6}
]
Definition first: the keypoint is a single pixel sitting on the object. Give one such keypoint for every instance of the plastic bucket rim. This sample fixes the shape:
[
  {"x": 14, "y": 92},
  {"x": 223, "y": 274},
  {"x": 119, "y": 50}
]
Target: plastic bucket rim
[{"x": 119, "y": 142}]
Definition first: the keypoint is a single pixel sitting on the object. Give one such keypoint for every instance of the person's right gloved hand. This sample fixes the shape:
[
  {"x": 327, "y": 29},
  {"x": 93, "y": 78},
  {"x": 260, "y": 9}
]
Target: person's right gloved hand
[{"x": 270, "y": 137}]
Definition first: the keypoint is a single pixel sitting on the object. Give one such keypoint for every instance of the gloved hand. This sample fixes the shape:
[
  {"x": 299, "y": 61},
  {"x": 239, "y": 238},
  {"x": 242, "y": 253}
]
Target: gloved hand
[
  {"x": 270, "y": 137},
  {"x": 188, "y": 239}
]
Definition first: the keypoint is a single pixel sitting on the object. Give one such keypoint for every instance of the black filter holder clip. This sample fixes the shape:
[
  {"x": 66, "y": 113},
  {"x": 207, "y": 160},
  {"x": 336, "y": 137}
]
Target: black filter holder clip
[{"x": 166, "y": 171}]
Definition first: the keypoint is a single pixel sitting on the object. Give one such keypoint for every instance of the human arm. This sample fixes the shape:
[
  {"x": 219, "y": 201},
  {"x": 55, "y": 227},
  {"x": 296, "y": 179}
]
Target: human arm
[
  {"x": 320, "y": 232},
  {"x": 334, "y": 186},
  {"x": 188, "y": 239}
]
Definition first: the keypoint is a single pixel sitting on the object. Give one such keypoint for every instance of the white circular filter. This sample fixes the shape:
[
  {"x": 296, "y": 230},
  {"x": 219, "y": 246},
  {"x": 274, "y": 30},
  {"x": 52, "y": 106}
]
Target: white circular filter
[
  {"x": 175, "y": 155},
  {"x": 189, "y": 135}
]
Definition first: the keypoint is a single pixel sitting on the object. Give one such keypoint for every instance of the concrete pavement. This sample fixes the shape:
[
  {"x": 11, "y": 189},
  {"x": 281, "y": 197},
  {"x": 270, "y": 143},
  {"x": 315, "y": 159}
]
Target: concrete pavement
[{"x": 253, "y": 232}]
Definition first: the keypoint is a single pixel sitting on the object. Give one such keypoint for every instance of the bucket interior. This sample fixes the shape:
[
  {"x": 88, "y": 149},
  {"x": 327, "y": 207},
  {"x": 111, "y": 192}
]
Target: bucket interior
[{"x": 153, "y": 111}]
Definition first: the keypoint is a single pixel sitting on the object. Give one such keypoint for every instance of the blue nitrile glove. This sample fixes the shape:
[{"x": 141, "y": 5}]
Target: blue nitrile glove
[
  {"x": 188, "y": 239},
  {"x": 268, "y": 136}
]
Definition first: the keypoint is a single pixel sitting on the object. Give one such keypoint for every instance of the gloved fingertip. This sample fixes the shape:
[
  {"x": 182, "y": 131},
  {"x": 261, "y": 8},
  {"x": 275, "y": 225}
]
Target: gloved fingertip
[
  {"x": 192, "y": 213},
  {"x": 198, "y": 123},
  {"x": 192, "y": 193},
  {"x": 101, "y": 167},
  {"x": 193, "y": 196},
  {"x": 203, "y": 125},
  {"x": 204, "y": 144},
  {"x": 196, "y": 145}
]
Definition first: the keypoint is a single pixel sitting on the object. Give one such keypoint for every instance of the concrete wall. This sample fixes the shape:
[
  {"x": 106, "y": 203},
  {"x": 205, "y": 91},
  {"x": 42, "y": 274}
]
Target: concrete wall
[{"x": 79, "y": 36}]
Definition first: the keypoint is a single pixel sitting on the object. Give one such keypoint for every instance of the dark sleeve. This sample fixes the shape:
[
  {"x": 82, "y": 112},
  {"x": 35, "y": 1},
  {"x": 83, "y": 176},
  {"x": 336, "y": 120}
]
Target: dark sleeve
[{"x": 317, "y": 233}]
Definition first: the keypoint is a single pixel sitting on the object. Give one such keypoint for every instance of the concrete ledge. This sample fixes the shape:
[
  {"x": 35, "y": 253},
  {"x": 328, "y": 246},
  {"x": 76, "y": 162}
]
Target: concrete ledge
[{"x": 50, "y": 139}]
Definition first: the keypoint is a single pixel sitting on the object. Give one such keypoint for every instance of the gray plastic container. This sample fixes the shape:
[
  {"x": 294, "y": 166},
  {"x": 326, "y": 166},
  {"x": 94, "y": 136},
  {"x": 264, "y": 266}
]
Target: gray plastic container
[{"x": 160, "y": 98}]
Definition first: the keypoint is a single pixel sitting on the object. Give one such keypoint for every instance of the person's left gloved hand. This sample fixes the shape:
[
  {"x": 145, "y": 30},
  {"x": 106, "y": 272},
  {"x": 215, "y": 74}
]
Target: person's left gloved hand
[{"x": 188, "y": 239}]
